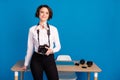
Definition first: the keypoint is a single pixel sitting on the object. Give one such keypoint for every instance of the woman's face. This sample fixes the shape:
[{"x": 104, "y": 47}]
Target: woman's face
[{"x": 44, "y": 14}]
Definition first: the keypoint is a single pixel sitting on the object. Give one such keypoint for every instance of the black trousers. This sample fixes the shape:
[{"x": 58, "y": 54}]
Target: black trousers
[{"x": 40, "y": 63}]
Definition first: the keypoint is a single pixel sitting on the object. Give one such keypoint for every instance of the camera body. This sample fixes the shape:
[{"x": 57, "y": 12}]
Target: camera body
[{"x": 42, "y": 49}]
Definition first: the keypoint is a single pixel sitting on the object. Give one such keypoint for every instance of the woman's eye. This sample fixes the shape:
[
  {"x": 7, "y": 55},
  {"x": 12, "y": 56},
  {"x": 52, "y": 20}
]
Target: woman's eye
[{"x": 41, "y": 12}]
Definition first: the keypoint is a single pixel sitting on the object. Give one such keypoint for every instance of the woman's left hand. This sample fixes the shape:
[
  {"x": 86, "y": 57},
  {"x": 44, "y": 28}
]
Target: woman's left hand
[{"x": 49, "y": 51}]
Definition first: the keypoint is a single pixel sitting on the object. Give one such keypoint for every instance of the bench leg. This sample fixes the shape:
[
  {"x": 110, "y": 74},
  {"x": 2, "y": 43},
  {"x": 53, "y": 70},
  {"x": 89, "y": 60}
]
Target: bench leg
[
  {"x": 16, "y": 75},
  {"x": 22, "y": 75},
  {"x": 88, "y": 75},
  {"x": 95, "y": 76}
]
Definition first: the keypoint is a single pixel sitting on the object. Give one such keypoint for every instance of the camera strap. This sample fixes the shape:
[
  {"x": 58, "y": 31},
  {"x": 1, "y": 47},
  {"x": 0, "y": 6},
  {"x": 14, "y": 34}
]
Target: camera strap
[{"x": 48, "y": 33}]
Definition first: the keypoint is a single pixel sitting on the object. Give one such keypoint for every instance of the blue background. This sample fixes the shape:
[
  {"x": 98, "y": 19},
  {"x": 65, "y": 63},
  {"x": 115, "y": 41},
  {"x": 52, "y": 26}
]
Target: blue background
[{"x": 88, "y": 29}]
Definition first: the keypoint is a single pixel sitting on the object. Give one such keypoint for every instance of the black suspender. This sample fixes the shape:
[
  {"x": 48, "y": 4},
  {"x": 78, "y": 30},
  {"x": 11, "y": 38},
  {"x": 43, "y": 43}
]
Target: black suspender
[{"x": 48, "y": 33}]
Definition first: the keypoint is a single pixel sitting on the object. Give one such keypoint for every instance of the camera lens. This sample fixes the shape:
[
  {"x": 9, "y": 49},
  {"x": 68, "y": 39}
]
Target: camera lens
[
  {"x": 89, "y": 63},
  {"x": 82, "y": 61}
]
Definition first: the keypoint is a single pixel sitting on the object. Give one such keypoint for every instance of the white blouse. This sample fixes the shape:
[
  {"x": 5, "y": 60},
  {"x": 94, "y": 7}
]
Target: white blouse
[{"x": 43, "y": 39}]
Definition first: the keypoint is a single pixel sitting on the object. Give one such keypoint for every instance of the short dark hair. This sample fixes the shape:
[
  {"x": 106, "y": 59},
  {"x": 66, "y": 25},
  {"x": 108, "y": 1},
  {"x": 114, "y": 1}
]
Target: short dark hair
[{"x": 46, "y": 6}]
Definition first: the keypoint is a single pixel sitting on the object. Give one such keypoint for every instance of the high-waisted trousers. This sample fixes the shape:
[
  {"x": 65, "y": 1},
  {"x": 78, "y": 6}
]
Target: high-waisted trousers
[{"x": 40, "y": 63}]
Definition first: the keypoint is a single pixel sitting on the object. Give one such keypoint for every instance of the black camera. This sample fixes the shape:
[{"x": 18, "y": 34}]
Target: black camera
[
  {"x": 89, "y": 63},
  {"x": 82, "y": 61},
  {"x": 42, "y": 49}
]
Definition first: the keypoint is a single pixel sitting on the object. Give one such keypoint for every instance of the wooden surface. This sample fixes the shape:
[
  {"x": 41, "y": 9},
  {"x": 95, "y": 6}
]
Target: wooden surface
[{"x": 69, "y": 68}]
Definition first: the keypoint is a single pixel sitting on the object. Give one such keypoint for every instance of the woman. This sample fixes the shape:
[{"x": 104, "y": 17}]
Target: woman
[{"x": 43, "y": 42}]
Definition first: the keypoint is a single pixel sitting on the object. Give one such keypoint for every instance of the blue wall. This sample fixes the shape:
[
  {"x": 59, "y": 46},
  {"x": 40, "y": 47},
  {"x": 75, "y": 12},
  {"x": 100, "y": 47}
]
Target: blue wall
[{"x": 88, "y": 29}]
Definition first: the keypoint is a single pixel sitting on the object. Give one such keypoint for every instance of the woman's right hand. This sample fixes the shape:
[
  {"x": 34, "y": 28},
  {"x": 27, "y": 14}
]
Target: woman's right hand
[{"x": 24, "y": 68}]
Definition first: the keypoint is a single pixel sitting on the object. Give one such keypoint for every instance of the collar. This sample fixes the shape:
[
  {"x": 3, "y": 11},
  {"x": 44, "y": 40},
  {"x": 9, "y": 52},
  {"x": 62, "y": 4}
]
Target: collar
[{"x": 38, "y": 27}]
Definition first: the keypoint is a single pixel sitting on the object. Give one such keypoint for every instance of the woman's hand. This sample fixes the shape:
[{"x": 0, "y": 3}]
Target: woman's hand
[
  {"x": 49, "y": 51},
  {"x": 24, "y": 68}
]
